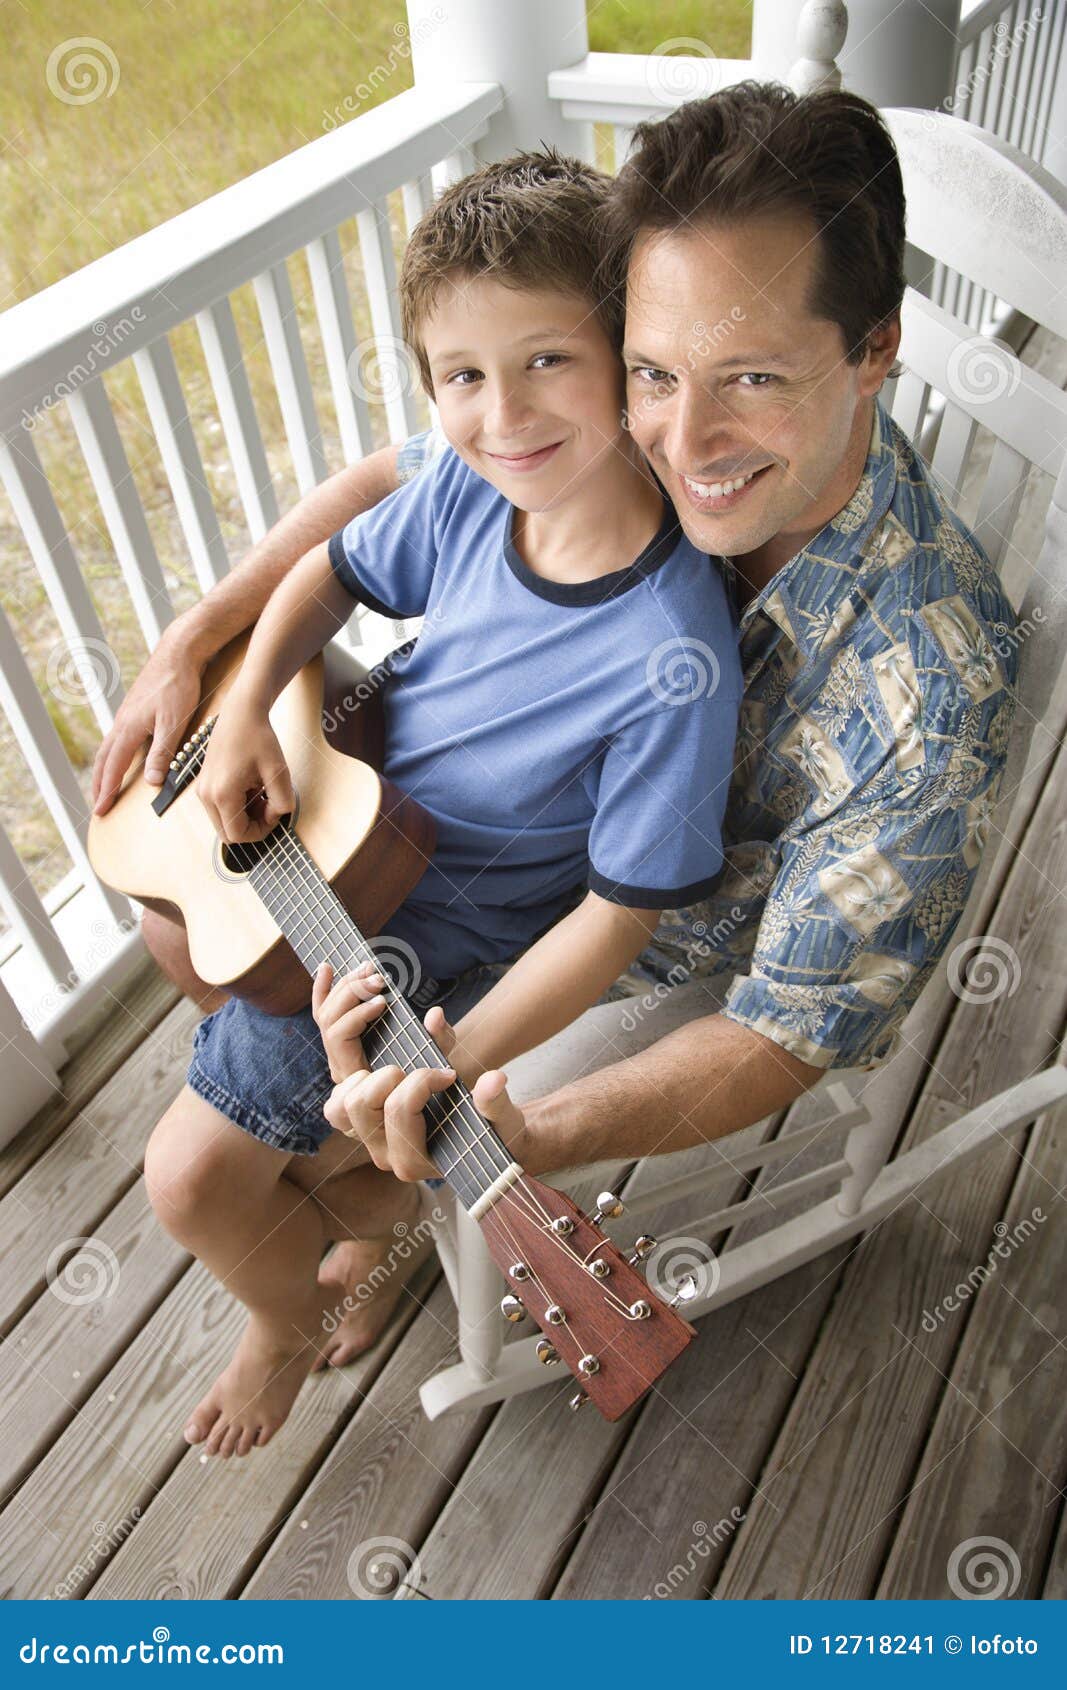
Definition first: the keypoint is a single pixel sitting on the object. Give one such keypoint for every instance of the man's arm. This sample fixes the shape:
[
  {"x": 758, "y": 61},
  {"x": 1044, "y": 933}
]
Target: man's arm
[
  {"x": 167, "y": 690},
  {"x": 705, "y": 1080}
]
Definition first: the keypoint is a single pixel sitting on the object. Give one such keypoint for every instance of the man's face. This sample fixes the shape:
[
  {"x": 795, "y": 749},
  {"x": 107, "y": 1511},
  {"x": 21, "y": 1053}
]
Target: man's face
[
  {"x": 732, "y": 380},
  {"x": 528, "y": 387}
]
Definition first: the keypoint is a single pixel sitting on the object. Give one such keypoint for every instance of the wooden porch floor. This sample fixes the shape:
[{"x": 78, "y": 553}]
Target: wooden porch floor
[{"x": 819, "y": 1439}]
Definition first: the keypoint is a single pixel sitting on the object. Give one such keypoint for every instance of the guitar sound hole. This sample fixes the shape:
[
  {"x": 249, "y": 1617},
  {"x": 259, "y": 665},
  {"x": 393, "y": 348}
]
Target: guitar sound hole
[{"x": 243, "y": 857}]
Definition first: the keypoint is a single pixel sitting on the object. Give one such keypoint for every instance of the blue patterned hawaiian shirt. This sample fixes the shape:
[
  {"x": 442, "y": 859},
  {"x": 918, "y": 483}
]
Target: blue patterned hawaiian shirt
[{"x": 879, "y": 698}]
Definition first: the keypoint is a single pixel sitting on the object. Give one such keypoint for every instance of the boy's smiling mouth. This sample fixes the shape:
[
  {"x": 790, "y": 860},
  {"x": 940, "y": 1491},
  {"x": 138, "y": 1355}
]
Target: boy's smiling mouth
[{"x": 525, "y": 460}]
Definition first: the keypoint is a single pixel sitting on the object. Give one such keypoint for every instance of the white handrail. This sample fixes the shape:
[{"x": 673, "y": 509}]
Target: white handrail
[{"x": 59, "y": 338}]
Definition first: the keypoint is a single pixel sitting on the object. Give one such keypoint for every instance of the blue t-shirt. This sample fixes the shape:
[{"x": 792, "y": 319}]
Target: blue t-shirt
[{"x": 560, "y": 734}]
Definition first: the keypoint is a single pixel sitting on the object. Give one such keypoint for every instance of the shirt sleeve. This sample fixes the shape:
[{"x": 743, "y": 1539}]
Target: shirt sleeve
[
  {"x": 861, "y": 910},
  {"x": 386, "y": 557},
  {"x": 417, "y": 451},
  {"x": 656, "y": 837}
]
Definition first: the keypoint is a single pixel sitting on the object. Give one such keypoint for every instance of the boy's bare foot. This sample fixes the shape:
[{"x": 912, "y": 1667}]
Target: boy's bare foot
[
  {"x": 252, "y": 1397},
  {"x": 361, "y": 1284}
]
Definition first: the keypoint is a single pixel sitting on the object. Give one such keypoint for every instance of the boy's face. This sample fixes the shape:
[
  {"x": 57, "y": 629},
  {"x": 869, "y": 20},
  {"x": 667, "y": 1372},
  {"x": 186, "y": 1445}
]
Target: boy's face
[{"x": 528, "y": 387}]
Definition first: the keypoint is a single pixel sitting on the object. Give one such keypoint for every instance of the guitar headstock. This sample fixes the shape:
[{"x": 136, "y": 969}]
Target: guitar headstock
[{"x": 597, "y": 1313}]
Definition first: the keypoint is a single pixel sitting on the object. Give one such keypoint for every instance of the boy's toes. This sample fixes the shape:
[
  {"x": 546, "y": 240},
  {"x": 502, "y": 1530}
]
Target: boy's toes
[
  {"x": 247, "y": 1440},
  {"x": 230, "y": 1440},
  {"x": 203, "y": 1419}
]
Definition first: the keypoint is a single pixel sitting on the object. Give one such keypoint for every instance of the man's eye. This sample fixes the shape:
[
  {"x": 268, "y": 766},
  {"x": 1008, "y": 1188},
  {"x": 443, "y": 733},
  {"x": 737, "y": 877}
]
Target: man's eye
[
  {"x": 755, "y": 378},
  {"x": 648, "y": 374}
]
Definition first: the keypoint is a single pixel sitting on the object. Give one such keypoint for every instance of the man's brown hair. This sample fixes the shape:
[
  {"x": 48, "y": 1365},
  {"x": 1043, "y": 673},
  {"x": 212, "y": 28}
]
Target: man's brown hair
[
  {"x": 529, "y": 221},
  {"x": 757, "y": 148}
]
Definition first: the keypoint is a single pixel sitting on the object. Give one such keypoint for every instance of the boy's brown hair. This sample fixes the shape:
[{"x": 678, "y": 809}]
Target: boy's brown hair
[
  {"x": 528, "y": 221},
  {"x": 756, "y": 148}
]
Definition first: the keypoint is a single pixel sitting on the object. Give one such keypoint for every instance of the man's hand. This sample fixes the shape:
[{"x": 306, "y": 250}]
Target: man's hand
[
  {"x": 157, "y": 707},
  {"x": 384, "y": 1108},
  {"x": 244, "y": 784}
]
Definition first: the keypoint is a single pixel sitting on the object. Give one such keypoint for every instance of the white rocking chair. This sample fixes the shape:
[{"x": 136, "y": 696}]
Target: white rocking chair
[{"x": 988, "y": 214}]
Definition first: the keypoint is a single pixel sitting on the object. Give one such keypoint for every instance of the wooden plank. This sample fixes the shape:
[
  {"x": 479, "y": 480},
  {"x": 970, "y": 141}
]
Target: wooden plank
[
  {"x": 387, "y": 1477},
  {"x": 994, "y": 1461},
  {"x": 68, "y": 1191},
  {"x": 114, "y": 1457},
  {"x": 211, "y": 1522},
  {"x": 852, "y": 1440},
  {"x": 142, "y": 1006},
  {"x": 59, "y": 1351},
  {"x": 486, "y": 1546},
  {"x": 684, "y": 1480}
]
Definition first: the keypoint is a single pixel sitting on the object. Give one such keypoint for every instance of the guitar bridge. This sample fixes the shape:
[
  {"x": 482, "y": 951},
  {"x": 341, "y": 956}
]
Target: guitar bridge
[{"x": 184, "y": 768}]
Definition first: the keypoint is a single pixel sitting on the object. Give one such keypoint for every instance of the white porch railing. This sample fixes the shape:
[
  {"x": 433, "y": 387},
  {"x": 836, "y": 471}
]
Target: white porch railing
[
  {"x": 59, "y": 349},
  {"x": 1010, "y": 59},
  {"x": 338, "y": 208}
]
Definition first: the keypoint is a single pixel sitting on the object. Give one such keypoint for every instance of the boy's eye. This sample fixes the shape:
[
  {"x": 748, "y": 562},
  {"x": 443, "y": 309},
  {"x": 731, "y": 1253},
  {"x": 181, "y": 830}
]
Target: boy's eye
[
  {"x": 547, "y": 359},
  {"x": 459, "y": 374},
  {"x": 755, "y": 378}
]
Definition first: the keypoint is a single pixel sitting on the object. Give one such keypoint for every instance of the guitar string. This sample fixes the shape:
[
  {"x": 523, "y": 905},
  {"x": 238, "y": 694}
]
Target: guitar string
[
  {"x": 298, "y": 859},
  {"x": 333, "y": 930},
  {"x": 294, "y": 855},
  {"x": 333, "y": 912}
]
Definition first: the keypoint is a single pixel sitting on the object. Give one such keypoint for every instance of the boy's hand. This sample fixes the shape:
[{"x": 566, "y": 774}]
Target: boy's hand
[
  {"x": 343, "y": 1010},
  {"x": 384, "y": 1109},
  {"x": 244, "y": 784}
]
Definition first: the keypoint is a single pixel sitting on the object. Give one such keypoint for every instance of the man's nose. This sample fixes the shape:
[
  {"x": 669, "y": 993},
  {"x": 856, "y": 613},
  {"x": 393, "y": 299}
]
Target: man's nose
[{"x": 699, "y": 431}]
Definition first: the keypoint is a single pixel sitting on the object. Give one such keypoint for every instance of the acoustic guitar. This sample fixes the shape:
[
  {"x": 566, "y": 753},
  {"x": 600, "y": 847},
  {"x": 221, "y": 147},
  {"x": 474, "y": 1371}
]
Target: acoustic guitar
[{"x": 261, "y": 916}]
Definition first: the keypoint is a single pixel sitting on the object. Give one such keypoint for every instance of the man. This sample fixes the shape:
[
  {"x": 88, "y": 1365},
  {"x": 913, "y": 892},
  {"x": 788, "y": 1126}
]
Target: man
[{"x": 761, "y": 240}]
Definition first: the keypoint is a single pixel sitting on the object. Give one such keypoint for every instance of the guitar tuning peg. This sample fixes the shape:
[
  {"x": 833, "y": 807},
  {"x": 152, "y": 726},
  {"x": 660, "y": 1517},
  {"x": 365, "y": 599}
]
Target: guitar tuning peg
[
  {"x": 546, "y": 1353},
  {"x": 608, "y": 1207},
  {"x": 512, "y": 1308},
  {"x": 578, "y": 1401},
  {"x": 643, "y": 1246},
  {"x": 687, "y": 1290}
]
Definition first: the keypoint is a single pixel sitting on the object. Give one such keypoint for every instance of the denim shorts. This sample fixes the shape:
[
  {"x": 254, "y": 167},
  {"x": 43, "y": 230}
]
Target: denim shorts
[{"x": 269, "y": 1075}]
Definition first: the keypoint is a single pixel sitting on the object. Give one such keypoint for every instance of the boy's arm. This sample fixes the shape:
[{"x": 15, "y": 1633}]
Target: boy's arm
[
  {"x": 167, "y": 690},
  {"x": 243, "y": 753},
  {"x": 551, "y": 984}
]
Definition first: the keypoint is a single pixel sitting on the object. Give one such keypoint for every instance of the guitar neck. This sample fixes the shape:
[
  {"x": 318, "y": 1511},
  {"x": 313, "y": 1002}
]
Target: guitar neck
[{"x": 470, "y": 1155}]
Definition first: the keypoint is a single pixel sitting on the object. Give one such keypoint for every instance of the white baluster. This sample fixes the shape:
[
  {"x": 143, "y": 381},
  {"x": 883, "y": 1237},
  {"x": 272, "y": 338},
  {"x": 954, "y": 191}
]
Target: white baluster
[{"x": 240, "y": 425}]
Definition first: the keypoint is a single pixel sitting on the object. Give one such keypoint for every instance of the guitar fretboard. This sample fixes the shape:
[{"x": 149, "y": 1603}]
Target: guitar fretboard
[{"x": 460, "y": 1142}]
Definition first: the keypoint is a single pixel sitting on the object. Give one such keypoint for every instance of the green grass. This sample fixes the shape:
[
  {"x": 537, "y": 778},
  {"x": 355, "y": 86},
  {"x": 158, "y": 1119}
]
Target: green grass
[{"x": 199, "y": 96}]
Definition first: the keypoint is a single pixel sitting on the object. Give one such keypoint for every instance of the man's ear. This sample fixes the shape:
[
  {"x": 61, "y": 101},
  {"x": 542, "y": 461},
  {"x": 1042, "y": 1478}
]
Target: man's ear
[{"x": 880, "y": 358}]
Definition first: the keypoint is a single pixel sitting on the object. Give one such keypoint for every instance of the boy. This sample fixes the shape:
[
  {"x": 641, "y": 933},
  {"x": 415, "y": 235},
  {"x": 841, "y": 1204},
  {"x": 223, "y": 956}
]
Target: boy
[{"x": 567, "y": 715}]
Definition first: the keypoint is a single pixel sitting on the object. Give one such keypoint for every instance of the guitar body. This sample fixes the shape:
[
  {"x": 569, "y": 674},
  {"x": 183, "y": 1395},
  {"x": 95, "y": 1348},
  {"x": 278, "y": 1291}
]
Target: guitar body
[{"x": 371, "y": 842}]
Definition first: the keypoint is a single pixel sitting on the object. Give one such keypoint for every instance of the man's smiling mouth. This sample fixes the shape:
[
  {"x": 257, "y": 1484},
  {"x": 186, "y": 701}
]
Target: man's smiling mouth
[{"x": 717, "y": 494}]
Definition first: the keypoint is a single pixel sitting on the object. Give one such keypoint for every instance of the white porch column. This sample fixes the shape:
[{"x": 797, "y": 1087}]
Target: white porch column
[
  {"x": 901, "y": 55},
  {"x": 515, "y": 43}
]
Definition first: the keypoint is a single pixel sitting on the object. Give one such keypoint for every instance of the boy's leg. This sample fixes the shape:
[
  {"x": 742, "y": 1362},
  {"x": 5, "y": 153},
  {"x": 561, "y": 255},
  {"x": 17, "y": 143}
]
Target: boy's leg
[{"x": 219, "y": 1192}]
